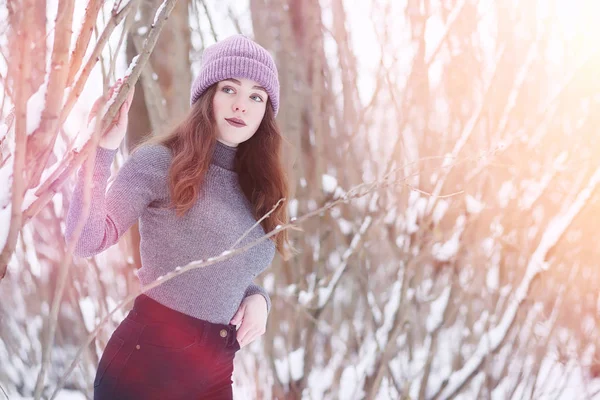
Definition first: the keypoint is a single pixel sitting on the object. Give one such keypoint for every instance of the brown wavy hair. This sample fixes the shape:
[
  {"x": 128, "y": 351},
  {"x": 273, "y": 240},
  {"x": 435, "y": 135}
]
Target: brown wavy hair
[{"x": 258, "y": 165}]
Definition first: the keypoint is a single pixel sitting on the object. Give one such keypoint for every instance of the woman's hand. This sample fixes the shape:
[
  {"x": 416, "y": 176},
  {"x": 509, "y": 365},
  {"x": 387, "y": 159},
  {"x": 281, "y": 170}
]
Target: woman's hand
[
  {"x": 115, "y": 132},
  {"x": 253, "y": 316}
]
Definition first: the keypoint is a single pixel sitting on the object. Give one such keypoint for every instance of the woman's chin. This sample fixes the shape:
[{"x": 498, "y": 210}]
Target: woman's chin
[{"x": 228, "y": 142}]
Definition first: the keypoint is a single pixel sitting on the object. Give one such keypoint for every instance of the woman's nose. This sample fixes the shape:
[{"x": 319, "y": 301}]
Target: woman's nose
[{"x": 239, "y": 107}]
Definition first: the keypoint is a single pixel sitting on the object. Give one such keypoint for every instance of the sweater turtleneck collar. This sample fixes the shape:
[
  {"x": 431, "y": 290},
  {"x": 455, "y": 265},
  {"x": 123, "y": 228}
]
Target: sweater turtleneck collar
[{"x": 224, "y": 156}]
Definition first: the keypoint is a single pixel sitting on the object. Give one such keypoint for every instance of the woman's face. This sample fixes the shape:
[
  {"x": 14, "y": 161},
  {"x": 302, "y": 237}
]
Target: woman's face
[{"x": 239, "y": 106}]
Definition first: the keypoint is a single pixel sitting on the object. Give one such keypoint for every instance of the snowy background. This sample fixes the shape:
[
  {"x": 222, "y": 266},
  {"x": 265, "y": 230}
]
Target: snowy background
[{"x": 452, "y": 147}]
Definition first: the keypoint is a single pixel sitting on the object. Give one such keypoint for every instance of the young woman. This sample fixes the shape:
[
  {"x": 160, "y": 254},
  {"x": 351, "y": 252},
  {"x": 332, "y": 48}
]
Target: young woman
[{"x": 197, "y": 191}]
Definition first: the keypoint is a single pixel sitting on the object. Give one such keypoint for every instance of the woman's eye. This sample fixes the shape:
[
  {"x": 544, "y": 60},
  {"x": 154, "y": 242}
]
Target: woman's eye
[
  {"x": 227, "y": 88},
  {"x": 256, "y": 98}
]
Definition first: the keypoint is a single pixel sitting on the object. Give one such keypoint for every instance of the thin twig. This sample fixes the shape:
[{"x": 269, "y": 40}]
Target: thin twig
[
  {"x": 89, "y": 21},
  {"x": 257, "y": 223},
  {"x": 20, "y": 154},
  {"x": 431, "y": 195},
  {"x": 65, "y": 266},
  {"x": 210, "y": 21},
  {"x": 235, "y": 20}
]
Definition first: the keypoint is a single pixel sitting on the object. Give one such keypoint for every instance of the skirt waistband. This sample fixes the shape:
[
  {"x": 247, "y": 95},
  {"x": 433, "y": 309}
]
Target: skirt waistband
[{"x": 149, "y": 310}]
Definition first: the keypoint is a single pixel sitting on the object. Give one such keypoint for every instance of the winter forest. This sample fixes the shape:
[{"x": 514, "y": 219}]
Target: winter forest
[{"x": 443, "y": 159}]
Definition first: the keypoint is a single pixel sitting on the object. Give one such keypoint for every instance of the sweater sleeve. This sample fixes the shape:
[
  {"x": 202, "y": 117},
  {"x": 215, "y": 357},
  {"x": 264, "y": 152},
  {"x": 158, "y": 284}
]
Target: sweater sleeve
[
  {"x": 256, "y": 289},
  {"x": 141, "y": 179}
]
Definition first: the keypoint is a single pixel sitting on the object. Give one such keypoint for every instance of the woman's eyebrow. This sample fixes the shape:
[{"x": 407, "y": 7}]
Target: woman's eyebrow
[
  {"x": 240, "y": 84},
  {"x": 234, "y": 81}
]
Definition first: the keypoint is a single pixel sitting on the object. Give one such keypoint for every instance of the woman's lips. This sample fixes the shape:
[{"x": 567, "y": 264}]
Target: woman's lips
[{"x": 235, "y": 122}]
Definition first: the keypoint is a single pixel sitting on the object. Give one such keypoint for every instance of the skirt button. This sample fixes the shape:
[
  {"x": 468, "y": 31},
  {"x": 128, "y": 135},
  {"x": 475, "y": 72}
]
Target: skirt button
[
  {"x": 223, "y": 332},
  {"x": 137, "y": 346}
]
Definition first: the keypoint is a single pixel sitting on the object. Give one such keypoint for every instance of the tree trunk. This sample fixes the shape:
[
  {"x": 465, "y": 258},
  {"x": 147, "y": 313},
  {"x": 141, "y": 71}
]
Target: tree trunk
[{"x": 167, "y": 74}]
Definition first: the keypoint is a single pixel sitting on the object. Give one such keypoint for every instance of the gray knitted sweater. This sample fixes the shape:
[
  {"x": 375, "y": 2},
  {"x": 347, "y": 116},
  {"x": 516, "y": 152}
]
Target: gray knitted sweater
[{"x": 220, "y": 216}]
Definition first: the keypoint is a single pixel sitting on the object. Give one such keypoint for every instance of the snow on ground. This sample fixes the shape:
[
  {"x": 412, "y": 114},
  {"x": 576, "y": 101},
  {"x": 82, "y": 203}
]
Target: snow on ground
[{"x": 62, "y": 395}]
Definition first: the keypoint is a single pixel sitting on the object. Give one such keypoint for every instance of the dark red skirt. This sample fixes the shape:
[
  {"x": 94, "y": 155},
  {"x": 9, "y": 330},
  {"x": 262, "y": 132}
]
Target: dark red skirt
[{"x": 159, "y": 353}]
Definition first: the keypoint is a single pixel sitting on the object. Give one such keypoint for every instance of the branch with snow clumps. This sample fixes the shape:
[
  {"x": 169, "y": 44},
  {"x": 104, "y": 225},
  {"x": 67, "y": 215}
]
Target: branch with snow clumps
[{"x": 490, "y": 341}]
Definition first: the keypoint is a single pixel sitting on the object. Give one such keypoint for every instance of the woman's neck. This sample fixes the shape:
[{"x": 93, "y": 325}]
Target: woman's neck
[{"x": 224, "y": 156}]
